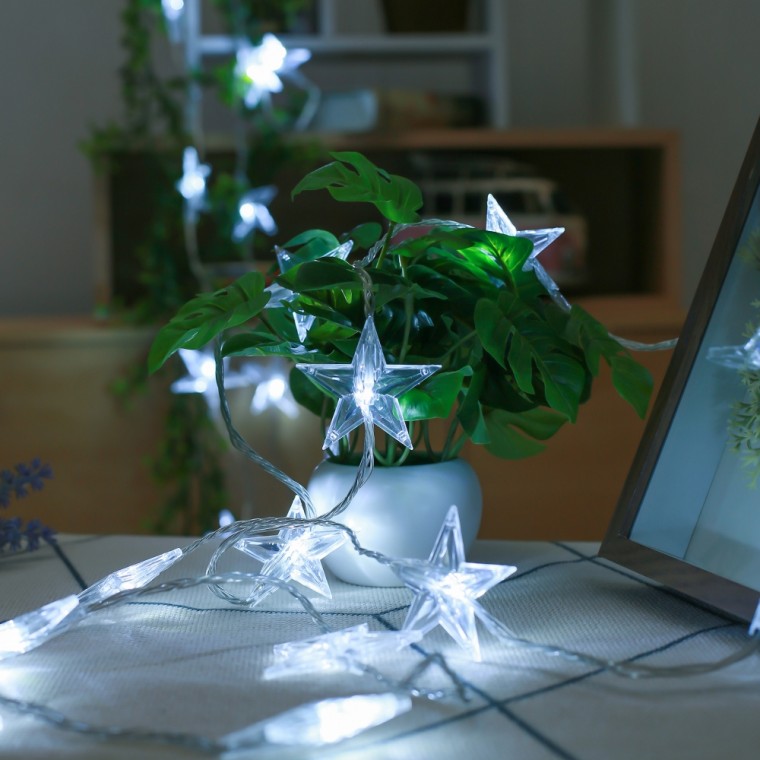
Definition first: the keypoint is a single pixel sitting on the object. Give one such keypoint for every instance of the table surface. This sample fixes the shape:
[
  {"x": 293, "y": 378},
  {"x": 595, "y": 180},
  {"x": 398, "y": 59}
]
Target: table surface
[{"x": 188, "y": 662}]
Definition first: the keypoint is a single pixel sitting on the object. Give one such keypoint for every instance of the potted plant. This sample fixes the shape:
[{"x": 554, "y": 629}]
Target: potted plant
[{"x": 515, "y": 361}]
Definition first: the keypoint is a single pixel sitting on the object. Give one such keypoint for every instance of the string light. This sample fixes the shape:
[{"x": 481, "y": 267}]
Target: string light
[
  {"x": 446, "y": 587},
  {"x": 746, "y": 356},
  {"x": 28, "y": 631},
  {"x": 498, "y": 221},
  {"x": 261, "y": 67},
  {"x": 344, "y": 650},
  {"x": 134, "y": 576},
  {"x": 287, "y": 261},
  {"x": 319, "y": 723},
  {"x": 254, "y": 214},
  {"x": 201, "y": 376},
  {"x": 274, "y": 392},
  {"x": 367, "y": 388},
  {"x": 192, "y": 185},
  {"x": 174, "y": 11},
  {"x": 294, "y": 554}
]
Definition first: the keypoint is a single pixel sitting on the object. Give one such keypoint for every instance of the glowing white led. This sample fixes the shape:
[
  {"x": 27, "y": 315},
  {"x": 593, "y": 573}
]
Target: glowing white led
[
  {"x": 192, "y": 185},
  {"x": 133, "y": 576},
  {"x": 174, "y": 11},
  {"x": 498, "y": 221},
  {"x": 28, "y": 631},
  {"x": 226, "y": 518},
  {"x": 295, "y": 553},
  {"x": 254, "y": 214},
  {"x": 367, "y": 388},
  {"x": 344, "y": 650},
  {"x": 261, "y": 67},
  {"x": 446, "y": 587},
  {"x": 274, "y": 392},
  {"x": 201, "y": 376}
]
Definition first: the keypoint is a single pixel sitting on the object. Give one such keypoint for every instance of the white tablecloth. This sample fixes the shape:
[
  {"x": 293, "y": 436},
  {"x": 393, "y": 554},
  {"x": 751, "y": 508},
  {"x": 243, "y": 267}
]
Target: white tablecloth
[{"x": 187, "y": 662}]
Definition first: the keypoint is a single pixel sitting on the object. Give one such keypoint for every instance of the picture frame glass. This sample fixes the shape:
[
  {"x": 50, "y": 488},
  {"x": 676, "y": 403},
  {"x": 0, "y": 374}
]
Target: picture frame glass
[
  {"x": 708, "y": 457},
  {"x": 689, "y": 513}
]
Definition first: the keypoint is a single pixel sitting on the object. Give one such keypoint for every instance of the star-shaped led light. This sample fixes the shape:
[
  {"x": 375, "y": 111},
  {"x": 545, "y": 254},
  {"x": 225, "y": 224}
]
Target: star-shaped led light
[
  {"x": 287, "y": 261},
  {"x": 294, "y": 554},
  {"x": 272, "y": 389},
  {"x": 192, "y": 185},
  {"x": 254, "y": 214},
  {"x": 746, "y": 356},
  {"x": 261, "y": 67},
  {"x": 173, "y": 11},
  {"x": 446, "y": 587},
  {"x": 367, "y": 388},
  {"x": 201, "y": 376},
  {"x": 340, "y": 651},
  {"x": 498, "y": 221}
]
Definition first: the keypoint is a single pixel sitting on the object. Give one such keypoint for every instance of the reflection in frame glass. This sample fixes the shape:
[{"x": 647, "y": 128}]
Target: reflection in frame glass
[{"x": 689, "y": 513}]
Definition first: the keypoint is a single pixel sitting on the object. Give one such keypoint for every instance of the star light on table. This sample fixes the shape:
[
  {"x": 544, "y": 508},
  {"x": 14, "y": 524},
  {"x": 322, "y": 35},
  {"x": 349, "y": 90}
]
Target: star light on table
[
  {"x": 446, "y": 587},
  {"x": 295, "y": 553},
  {"x": 261, "y": 67},
  {"x": 498, "y": 221},
  {"x": 287, "y": 261},
  {"x": 253, "y": 213},
  {"x": 192, "y": 184},
  {"x": 339, "y": 651},
  {"x": 367, "y": 388}
]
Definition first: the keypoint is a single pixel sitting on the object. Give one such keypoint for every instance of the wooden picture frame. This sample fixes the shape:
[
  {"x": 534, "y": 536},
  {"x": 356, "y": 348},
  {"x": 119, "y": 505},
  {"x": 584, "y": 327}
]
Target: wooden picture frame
[{"x": 689, "y": 516}]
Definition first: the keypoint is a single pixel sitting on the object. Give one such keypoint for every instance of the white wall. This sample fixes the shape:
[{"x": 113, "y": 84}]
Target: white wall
[
  {"x": 58, "y": 75},
  {"x": 697, "y": 65}
]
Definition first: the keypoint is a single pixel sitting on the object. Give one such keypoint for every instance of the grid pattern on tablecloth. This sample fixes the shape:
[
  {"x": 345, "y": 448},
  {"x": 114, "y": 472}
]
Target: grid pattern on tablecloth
[{"x": 524, "y": 704}]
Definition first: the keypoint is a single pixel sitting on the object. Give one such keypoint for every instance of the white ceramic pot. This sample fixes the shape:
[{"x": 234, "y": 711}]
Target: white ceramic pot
[{"x": 398, "y": 512}]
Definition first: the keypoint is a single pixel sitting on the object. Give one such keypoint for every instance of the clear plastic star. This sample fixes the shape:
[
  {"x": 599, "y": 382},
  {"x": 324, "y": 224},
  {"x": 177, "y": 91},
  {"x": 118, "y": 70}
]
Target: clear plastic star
[
  {"x": 287, "y": 261},
  {"x": 498, "y": 221},
  {"x": 201, "y": 376},
  {"x": 340, "y": 651},
  {"x": 260, "y": 67},
  {"x": 446, "y": 587},
  {"x": 254, "y": 214},
  {"x": 294, "y": 554},
  {"x": 192, "y": 185},
  {"x": 746, "y": 356},
  {"x": 367, "y": 388}
]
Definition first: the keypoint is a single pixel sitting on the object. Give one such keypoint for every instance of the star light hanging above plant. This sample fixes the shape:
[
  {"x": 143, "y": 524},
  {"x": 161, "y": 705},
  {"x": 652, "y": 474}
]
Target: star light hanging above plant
[
  {"x": 498, "y": 221},
  {"x": 253, "y": 213},
  {"x": 261, "y": 67},
  {"x": 192, "y": 185},
  {"x": 174, "y": 14}
]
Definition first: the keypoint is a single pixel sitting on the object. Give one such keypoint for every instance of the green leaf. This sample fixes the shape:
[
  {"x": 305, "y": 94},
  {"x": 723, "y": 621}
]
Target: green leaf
[
  {"x": 436, "y": 398},
  {"x": 312, "y": 244},
  {"x": 307, "y": 394},
  {"x": 632, "y": 381},
  {"x": 353, "y": 177},
  {"x": 470, "y": 412},
  {"x": 365, "y": 235},
  {"x": 322, "y": 274},
  {"x": 201, "y": 319},
  {"x": 514, "y": 330},
  {"x": 506, "y": 440}
]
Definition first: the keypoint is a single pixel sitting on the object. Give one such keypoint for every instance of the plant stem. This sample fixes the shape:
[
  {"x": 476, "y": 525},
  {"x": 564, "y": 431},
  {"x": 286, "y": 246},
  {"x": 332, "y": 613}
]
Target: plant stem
[
  {"x": 386, "y": 243},
  {"x": 449, "y": 451},
  {"x": 470, "y": 335}
]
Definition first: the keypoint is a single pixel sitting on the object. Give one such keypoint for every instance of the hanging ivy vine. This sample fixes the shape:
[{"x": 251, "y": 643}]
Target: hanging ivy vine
[{"x": 141, "y": 159}]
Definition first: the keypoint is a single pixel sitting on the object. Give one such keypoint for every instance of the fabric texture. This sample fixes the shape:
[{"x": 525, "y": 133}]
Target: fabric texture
[{"x": 187, "y": 661}]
